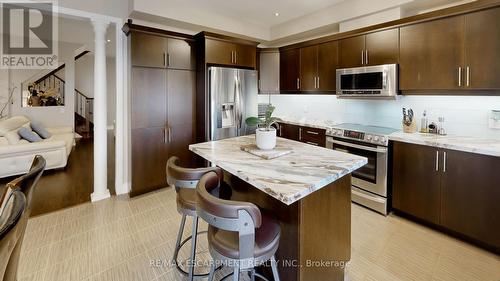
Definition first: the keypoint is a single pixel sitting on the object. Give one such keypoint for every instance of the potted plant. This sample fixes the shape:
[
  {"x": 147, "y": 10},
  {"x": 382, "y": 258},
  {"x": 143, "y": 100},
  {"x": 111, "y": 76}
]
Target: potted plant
[{"x": 265, "y": 134}]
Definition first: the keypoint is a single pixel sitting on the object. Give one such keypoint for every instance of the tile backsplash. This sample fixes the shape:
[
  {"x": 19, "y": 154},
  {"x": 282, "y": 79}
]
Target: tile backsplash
[{"x": 464, "y": 115}]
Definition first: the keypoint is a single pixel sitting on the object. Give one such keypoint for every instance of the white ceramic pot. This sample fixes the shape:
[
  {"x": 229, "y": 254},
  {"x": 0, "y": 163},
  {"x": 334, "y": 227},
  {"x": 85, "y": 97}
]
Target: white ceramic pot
[{"x": 266, "y": 139}]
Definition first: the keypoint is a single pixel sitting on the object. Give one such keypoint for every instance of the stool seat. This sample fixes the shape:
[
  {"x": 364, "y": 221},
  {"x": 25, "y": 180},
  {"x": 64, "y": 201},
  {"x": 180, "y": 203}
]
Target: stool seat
[
  {"x": 186, "y": 199},
  {"x": 267, "y": 238}
]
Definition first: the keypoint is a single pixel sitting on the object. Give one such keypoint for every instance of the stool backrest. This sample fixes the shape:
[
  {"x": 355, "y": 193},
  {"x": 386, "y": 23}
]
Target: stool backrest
[
  {"x": 12, "y": 225},
  {"x": 181, "y": 177},
  {"x": 27, "y": 182},
  {"x": 241, "y": 217}
]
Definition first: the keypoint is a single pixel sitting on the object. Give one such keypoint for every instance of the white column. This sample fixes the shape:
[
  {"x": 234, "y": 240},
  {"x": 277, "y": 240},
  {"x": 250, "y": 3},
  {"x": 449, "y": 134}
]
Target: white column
[{"x": 101, "y": 190}]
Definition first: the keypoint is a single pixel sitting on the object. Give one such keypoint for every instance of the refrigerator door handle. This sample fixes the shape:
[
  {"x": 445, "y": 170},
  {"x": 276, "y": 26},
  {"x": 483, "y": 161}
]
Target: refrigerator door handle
[{"x": 239, "y": 112}]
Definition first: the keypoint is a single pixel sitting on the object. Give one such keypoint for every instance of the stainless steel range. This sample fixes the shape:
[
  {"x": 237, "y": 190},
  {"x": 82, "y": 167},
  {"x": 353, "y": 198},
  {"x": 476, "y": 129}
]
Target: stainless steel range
[{"x": 369, "y": 183}]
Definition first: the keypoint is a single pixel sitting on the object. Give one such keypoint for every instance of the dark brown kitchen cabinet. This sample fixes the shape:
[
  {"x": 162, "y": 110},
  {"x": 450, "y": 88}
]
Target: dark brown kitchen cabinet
[
  {"x": 148, "y": 50},
  {"x": 382, "y": 47},
  {"x": 312, "y": 136},
  {"x": 482, "y": 45},
  {"x": 149, "y": 125},
  {"x": 318, "y": 64},
  {"x": 229, "y": 53},
  {"x": 457, "y": 191},
  {"x": 162, "y": 109},
  {"x": 375, "y": 48},
  {"x": 181, "y": 54},
  {"x": 288, "y": 131},
  {"x": 162, "y": 52},
  {"x": 290, "y": 70},
  {"x": 308, "y": 68},
  {"x": 470, "y": 193},
  {"x": 181, "y": 114},
  {"x": 416, "y": 181},
  {"x": 432, "y": 55},
  {"x": 328, "y": 62},
  {"x": 352, "y": 51}
]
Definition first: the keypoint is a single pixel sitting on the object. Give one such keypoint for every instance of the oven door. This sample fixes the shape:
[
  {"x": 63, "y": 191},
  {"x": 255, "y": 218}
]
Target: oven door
[{"x": 373, "y": 176}]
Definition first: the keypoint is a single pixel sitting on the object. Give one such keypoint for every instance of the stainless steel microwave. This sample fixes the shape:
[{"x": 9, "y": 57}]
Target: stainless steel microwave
[{"x": 379, "y": 81}]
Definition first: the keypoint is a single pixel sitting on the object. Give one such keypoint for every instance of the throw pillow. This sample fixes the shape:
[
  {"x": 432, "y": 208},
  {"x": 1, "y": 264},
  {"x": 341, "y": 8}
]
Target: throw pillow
[
  {"x": 40, "y": 130},
  {"x": 29, "y": 135}
]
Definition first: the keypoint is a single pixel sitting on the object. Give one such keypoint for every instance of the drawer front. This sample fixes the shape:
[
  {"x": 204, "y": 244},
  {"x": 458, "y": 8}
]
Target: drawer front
[{"x": 313, "y": 136}]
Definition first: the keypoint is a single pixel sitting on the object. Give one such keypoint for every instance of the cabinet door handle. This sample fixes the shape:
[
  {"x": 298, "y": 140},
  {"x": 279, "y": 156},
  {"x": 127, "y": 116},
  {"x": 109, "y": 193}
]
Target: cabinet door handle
[
  {"x": 444, "y": 162},
  {"x": 366, "y": 56},
  {"x": 362, "y": 57},
  {"x": 467, "y": 76},
  {"x": 168, "y": 59},
  {"x": 312, "y": 133},
  {"x": 165, "y": 137},
  {"x": 437, "y": 160},
  {"x": 281, "y": 131},
  {"x": 318, "y": 82},
  {"x": 459, "y": 76},
  {"x": 300, "y": 134},
  {"x": 164, "y": 59},
  {"x": 315, "y": 83},
  {"x": 235, "y": 57},
  {"x": 312, "y": 143},
  {"x": 298, "y": 83}
]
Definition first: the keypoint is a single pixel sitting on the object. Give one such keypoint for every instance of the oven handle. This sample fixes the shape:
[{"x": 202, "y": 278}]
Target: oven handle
[{"x": 368, "y": 148}]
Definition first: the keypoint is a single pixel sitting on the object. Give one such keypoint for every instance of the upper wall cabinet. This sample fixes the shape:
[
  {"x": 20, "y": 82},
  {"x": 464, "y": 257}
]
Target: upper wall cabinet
[
  {"x": 375, "y": 48},
  {"x": 162, "y": 52},
  {"x": 290, "y": 70},
  {"x": 432, "y": 55},
  {"x": 482, "y": 50},
  {"x": 318, "y": 64},
  {"x": 269, "y": 71},
  {"x": 229, "y": 53},
  {"x": 457, "y": 53}
]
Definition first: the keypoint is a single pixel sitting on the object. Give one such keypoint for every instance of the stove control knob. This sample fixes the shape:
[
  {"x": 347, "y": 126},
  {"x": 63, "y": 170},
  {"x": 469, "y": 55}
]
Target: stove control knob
[
  {"x": 382, "y": 139},
  {"x": 369, "y": 137},
  {"x": 376, "y": 139}
]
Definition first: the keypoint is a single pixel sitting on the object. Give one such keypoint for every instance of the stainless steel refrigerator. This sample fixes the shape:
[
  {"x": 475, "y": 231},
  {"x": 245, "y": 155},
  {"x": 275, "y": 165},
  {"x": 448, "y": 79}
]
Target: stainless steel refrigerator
[{"x": 232, "y": 97}]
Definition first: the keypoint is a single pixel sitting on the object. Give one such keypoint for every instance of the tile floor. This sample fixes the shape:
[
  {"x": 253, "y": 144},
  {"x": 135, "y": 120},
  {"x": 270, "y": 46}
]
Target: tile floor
[{"x": 119, "y": 239}]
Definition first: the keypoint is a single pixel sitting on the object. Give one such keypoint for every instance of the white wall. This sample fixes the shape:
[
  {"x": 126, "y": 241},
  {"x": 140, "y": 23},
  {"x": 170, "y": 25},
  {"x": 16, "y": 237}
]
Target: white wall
[
  {"x": 467, "y": 116},
  {"x": 384, "y": 16},
  {"x": 84, "y": 81}
]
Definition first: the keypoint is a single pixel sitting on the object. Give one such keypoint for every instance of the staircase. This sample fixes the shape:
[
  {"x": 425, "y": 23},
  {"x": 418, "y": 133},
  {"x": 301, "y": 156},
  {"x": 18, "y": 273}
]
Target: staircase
[
  {"x": 84, "y": 115},
  {"x": 84, "y": 105}
]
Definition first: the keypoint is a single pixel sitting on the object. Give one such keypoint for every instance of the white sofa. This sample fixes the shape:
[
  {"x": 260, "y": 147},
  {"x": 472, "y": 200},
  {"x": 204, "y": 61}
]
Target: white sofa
[{"x": 16, "y": 154}]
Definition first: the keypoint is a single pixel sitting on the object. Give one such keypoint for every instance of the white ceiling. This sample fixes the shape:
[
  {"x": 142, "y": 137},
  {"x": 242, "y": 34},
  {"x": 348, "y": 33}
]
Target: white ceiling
[
  {"x": 260, "y": 12},
  {"x": 255, "y": 19}
]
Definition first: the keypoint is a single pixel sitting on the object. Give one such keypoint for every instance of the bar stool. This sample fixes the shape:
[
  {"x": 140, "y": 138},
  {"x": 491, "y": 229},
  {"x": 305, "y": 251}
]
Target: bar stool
[
  {"x": 239, "y": 234},
  {"x": 185, "y": 180}
]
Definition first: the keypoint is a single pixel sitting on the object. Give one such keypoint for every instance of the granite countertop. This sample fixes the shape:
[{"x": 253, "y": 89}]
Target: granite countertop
[
  {"x": 288, "y": 178},
  {"x": 467, "y": 144},
  {"x": 313, "y": 123}
]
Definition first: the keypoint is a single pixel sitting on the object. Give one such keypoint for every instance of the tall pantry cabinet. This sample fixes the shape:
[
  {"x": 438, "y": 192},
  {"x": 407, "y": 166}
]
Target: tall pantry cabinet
[{"x": 162, "y": 103}]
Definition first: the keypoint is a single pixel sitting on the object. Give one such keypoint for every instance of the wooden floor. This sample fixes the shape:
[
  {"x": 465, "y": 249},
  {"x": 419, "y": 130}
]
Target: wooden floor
[
  {"x": 72, "y": 185},
  {"x": 133, "y": 239}
]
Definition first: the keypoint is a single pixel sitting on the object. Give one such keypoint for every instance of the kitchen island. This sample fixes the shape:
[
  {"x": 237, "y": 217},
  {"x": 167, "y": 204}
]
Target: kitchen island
[{"x": 309, "y": 190}]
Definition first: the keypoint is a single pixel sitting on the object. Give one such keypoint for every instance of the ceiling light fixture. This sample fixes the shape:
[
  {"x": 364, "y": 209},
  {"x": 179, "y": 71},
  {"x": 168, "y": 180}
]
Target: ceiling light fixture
[
  {"x": 276, "y": 14},
  {"x": 109, "y": 40}
]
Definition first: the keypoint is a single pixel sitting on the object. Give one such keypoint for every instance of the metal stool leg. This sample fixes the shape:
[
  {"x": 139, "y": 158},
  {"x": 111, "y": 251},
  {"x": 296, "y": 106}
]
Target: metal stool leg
[
  {"x": 212, "y": 271},
  {"x": 194, "y": 237},
  {"x": 274, "y": 266},
  {"x": 236, "y": 272},
  {"x": 179, "y": 238}
]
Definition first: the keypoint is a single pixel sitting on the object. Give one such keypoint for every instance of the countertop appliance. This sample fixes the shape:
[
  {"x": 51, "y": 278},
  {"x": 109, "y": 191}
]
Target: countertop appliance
[
  {"x": 369, "y": 183},
  {"x": 232, "y": 97},
  {"x": 379, "y": 81}
]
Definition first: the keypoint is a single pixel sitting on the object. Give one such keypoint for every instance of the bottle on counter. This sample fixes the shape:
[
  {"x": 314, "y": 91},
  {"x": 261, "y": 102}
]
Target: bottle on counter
[{"x": 424, "y": 123}]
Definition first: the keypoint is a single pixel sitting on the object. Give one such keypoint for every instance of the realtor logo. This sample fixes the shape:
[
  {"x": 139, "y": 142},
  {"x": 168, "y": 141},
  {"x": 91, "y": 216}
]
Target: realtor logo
[{"x": 29, "y": 35}]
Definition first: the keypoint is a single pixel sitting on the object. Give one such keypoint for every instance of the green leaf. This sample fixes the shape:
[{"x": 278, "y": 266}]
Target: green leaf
[{"x": 253, "y": 121}]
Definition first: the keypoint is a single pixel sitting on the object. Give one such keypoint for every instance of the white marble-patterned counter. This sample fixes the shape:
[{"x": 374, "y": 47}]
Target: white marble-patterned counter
[
  {"x": 467, "y": 144},
  {"x": 288, "y": 178},
  {"x": 313, "y": 123}
]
